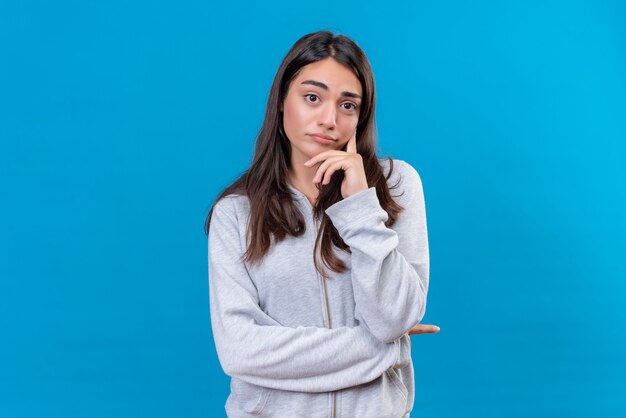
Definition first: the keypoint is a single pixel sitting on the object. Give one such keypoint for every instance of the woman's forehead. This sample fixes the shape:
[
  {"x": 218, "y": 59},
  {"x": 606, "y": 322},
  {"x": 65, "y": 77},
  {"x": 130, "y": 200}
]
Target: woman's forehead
[{"x": 328, "y": 74}]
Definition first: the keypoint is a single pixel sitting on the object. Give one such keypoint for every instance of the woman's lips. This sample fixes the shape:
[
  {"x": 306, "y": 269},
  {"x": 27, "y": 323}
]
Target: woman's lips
[{"x": 322, "y": 140}]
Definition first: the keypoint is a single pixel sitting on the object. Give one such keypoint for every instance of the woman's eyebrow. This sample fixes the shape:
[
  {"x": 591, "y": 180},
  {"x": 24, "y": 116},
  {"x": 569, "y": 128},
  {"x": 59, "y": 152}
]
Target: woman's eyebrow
[{"x": 325, "y": 87}]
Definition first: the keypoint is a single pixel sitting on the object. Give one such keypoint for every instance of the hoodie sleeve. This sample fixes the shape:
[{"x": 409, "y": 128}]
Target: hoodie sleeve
[
  {"x": 390, "y": 265},
  {"x": 255, "y": 348}
]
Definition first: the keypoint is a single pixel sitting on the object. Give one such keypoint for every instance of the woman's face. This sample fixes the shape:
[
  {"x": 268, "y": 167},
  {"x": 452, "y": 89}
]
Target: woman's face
[{"x": 324, "y": 99}]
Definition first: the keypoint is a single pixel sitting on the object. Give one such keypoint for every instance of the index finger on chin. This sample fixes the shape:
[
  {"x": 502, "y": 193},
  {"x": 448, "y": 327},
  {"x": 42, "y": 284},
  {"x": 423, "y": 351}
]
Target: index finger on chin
[{"x": 352, "y": 144}]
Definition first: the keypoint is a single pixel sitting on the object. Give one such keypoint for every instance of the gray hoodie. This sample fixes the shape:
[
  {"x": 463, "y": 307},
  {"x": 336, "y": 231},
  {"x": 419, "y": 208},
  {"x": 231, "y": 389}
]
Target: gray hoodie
[{"x": 296, "y": 345}]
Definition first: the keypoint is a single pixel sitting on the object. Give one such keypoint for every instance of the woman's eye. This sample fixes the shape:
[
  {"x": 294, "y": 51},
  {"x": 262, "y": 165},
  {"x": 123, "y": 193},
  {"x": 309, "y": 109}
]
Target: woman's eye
[
  {"x": 309, "y": 95},
  {"x": 354, "y": 107}
]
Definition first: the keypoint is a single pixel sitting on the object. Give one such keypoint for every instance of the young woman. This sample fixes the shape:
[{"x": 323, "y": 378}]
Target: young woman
[{"x": 317, "y": 273}]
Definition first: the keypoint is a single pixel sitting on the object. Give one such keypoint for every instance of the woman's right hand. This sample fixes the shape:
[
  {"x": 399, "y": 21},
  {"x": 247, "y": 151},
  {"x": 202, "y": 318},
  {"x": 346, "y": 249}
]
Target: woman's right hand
[{"x": 424, "y": 329}]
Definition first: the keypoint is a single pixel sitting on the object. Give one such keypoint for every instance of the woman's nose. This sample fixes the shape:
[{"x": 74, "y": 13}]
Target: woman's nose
[{"x": 328, "y": 115}]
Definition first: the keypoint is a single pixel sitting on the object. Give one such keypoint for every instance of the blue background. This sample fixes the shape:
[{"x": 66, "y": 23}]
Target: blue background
[{"x": 121, "y": 121}]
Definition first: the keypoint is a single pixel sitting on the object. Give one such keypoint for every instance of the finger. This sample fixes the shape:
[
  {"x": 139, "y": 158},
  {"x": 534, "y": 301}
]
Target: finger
[
  {"x": 334, "y": 165},
  {"x": 422, "y": 332},
  {"x": 322, "y": 170},
  {"x": 424, "y": 329},
  {"x": 352, "y": 144},
  {"x": 321, "y": 156}
]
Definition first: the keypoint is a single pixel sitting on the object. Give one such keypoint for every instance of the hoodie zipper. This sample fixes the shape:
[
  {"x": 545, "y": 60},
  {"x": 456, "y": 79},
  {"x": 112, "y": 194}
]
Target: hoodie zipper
[{"x": 330, "y": 322}]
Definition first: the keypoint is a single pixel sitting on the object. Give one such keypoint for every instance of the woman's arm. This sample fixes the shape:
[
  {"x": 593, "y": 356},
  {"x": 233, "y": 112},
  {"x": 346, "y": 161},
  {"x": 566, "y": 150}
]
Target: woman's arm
[
  {"x": 253, "y": 347},
  {"x": 390, "y": 266}
]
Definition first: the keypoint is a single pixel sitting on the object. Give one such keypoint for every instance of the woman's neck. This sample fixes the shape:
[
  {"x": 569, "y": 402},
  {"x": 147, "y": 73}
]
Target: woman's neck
[{"x": 301, "y": 177}]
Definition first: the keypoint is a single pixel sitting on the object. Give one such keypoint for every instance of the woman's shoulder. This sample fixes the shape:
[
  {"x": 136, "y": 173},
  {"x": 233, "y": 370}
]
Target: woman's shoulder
[
  {"x": 404, "y": 178},
  {"x": 400, "y": 169},
  {"x": 234, "y": 206}
]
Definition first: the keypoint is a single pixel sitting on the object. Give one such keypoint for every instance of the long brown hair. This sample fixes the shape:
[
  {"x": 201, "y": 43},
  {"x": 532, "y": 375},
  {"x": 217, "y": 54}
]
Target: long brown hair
[{"x": 272, "y": 208}]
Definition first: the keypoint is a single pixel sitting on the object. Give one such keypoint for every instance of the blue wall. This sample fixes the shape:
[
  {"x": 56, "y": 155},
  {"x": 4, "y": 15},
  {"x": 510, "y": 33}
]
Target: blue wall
[{"x": 121, "y": 121}]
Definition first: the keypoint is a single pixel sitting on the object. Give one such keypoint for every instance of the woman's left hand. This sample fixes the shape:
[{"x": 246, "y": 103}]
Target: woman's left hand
[{"x": 349, "y": 161}]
